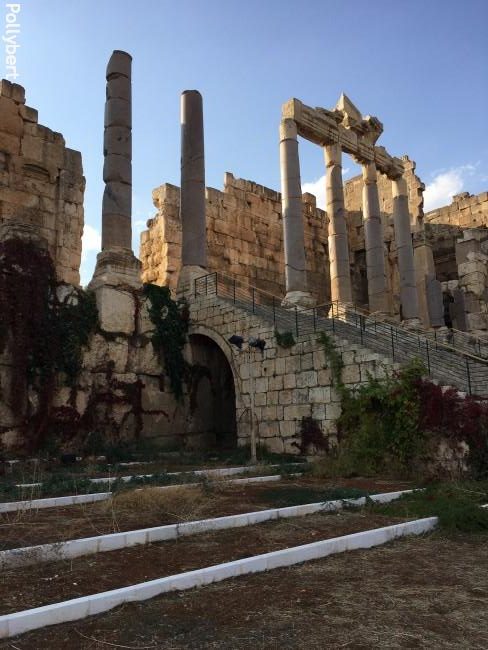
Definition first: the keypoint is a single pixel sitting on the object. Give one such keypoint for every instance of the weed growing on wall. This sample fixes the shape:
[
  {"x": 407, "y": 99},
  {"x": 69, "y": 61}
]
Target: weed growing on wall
[
  {"x": 389, "y": 425},
  {"x": 285, "y": 339}
]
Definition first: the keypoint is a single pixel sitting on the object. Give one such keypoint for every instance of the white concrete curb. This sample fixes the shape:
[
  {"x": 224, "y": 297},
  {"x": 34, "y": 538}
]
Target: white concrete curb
[
  {"x": 56, "y": 502},
  {"x": 79, "y": 608},
  {"x": 53, "y": 502},
  {"x": 28, "y": 555},
  {"x": 224, "y": 471}
]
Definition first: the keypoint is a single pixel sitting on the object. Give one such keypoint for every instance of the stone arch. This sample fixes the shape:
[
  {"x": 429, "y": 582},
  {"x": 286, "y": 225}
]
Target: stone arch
[{"x": 214, "y": 390}]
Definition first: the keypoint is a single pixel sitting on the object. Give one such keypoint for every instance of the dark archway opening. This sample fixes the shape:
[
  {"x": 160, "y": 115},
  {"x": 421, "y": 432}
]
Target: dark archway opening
[{"x": 212, "y": 396}]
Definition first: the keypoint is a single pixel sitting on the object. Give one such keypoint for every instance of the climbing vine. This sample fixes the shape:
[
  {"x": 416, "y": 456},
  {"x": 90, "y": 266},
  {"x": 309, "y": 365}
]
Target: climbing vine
[
  {"x": 379, "y": 426},
  {"x": 43, "y": 332},
  {"x": 335, "y": 361},
  {"x": 170, "y": 320}
]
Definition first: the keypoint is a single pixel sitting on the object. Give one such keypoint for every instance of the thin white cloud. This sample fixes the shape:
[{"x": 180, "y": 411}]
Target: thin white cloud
[
  {"x": 91, "y": 244},
  {"x": 91, "y": 240},
  {"x": 445, "y": 185},
  {"x": 317, "y": 188}
]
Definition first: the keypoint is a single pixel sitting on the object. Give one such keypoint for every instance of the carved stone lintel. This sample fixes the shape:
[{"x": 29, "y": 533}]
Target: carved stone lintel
[{"x": 342, "y": 126}]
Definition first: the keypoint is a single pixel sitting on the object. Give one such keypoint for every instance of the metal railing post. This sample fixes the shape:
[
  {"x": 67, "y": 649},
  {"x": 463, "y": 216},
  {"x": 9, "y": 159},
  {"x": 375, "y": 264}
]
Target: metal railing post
[
  {"x": 274, "y": 312},
  {"x": 206, "y": 285},
  {"x": 468, "y": 374},
  {"x": 314, "y": 319},
  {"x": 361, "y": 319},
  {"x": 428, "y": 355},
  {"x": 392, "y": 344},
  {"x": 296, "y": 319}
]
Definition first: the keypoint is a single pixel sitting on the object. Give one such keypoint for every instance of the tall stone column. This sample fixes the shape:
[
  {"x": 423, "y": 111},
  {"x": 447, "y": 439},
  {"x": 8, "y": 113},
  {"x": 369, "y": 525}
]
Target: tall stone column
[
  {"x": 291, "y": 201},
  {"x": 373, "y": 236},
  {"x": 116, "y": 264},
  {"x": 117, "y": 149},
  {"x": 192, "y": 198},
  {"x": 403, "y": 237},
  {"x": 340, "y": 277}
]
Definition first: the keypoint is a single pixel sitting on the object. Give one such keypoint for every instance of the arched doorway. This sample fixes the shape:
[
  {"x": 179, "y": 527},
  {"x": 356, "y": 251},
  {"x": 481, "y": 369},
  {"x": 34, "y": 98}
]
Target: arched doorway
[{"x": 212, "y": 396}]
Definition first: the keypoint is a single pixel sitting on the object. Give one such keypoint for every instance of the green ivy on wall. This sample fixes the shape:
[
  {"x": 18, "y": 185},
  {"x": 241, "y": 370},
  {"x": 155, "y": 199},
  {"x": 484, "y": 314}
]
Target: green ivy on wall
[{"x": 170, "y": 320}]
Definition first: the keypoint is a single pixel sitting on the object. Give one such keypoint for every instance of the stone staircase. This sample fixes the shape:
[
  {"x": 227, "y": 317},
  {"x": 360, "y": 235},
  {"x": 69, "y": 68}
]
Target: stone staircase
[{"x": 445, "y": 363}]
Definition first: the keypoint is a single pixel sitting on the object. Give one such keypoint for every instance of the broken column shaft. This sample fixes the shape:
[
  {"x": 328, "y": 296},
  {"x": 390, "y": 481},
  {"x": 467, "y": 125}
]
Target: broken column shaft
[
  {"x": 192, "y": 202},
  {"x": 117, "y": 168}
]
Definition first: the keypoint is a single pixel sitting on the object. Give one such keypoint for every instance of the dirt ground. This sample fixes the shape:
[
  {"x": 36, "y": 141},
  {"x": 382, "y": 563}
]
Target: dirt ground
[
  {"x": 60, "y": 524},
  {"x": 428, "y": 592},
  {"x": 52, "y": 582}
]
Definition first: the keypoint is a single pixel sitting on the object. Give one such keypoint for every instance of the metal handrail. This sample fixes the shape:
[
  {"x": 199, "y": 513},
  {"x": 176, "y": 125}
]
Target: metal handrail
[
  {"x": 461, "y": 368},
  {"x": 343, "y": 308}
]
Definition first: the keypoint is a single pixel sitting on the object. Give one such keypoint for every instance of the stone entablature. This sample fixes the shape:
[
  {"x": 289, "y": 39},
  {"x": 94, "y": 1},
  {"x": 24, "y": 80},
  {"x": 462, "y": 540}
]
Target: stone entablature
[
  {"x": 41, "y": 182},
  {"x": 244, "y": 237},
  {"x": 354, "y": 134}
]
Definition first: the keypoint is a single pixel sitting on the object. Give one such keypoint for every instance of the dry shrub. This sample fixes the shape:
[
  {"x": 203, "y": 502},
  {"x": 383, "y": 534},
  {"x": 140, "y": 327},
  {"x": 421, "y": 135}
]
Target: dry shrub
[{"x": 170, "y": 505}]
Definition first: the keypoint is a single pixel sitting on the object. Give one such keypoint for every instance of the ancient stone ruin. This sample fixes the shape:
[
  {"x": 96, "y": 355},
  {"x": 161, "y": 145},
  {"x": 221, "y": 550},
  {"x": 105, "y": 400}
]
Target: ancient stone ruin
[{"x": 144, "y": 351}]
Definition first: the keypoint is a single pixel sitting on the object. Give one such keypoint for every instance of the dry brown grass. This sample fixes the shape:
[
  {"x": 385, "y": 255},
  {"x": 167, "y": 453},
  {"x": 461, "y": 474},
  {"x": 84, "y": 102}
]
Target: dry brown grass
[{"x": 174, "y": 504}]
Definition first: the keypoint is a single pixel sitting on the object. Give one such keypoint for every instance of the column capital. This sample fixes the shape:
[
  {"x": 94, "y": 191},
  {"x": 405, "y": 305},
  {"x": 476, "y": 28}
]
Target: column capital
[
  {"x": 288, "y": 129},
  {"x": 368, "y": 171}
]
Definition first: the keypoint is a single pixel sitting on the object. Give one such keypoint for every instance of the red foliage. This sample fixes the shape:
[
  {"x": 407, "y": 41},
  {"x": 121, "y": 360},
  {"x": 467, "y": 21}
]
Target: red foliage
[{"x": 460, "y": 419}]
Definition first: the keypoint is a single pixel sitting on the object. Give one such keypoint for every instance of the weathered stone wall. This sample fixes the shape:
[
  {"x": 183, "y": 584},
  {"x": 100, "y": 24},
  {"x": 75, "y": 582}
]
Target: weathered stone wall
[
  {"x": 288, "y": 384},
  {"x": 122, "y": 391},
  {"x": 465, "y": 211},
  {"x": 245, "y": 237},
  {"x": 41, "y": 182},
  {"x": 444, "y": 226}
]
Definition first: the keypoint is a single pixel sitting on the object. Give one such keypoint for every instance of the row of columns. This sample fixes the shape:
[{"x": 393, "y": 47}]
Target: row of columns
[
  {"x": 117, "y": 203},
  {"x": 340, "y": 277}
]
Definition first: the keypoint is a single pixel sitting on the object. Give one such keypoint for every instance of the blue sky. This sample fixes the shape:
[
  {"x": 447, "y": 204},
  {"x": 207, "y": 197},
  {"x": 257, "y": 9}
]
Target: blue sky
[{"x": 421, "y": 66}]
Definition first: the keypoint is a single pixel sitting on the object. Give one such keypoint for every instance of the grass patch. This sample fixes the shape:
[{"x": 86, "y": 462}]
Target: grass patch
[
  {"x": 456, "y": 504},
  {"x": 173, "y": 505},
  {"x": 297, "y": 495}
]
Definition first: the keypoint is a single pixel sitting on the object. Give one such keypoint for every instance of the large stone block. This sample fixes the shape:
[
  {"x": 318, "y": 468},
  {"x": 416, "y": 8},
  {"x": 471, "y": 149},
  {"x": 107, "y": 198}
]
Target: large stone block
[
  {"x": 116, "y": 310},
  {"x": 307, "y": 379}
]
